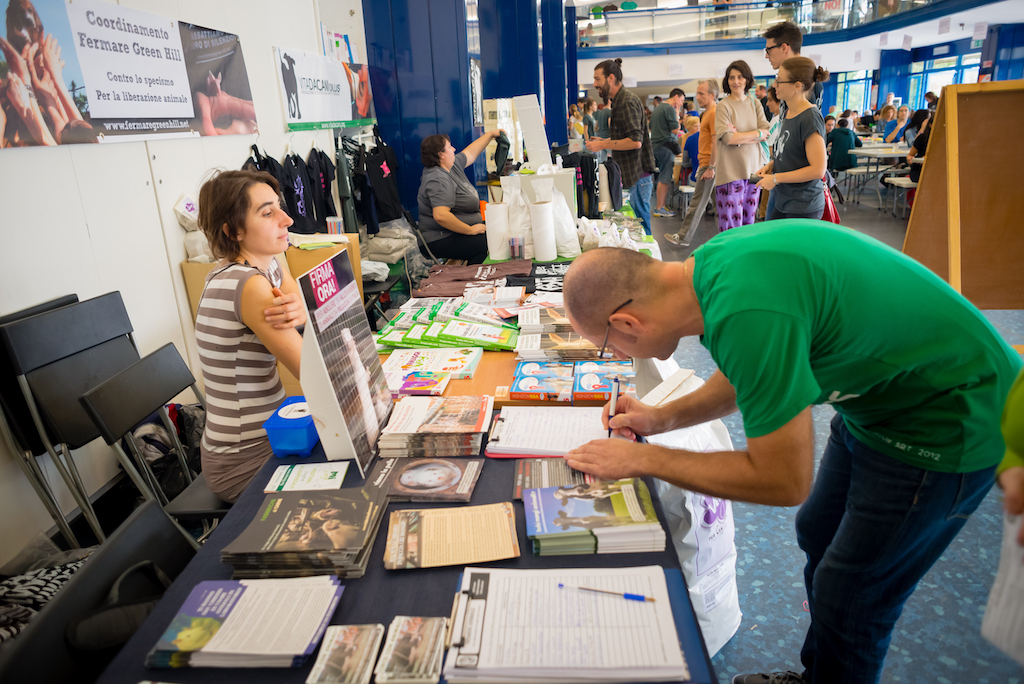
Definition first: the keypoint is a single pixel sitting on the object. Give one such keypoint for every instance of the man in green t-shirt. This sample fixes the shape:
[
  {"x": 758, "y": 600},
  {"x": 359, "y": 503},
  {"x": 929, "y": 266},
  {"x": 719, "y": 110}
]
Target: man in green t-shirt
[
  {"x": 664, "y": 131},
  {"x": 797, "y": 313}
]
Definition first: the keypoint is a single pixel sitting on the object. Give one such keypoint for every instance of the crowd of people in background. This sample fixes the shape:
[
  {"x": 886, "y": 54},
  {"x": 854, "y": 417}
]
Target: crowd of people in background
[{"x": 726, "y": 140}]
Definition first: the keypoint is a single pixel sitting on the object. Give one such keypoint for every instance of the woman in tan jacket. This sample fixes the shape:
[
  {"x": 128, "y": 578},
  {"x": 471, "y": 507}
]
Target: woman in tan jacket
[{"x": 741, "y": 126}]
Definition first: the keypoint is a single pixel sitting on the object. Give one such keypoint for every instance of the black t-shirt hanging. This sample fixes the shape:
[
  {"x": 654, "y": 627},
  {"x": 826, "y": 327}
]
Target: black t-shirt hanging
[
  {"x": 320, "y": 186},
  {"x": 614, "y": 183},
  {"x": 381, "y": 166},
  {"x": 297, "y": 196}
]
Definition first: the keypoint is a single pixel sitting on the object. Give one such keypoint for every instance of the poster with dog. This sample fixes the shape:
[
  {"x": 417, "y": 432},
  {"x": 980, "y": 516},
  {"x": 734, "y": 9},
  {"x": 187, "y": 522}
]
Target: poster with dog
[
  {"x": 92, "y": 71},
  {"x": 320, "y": 92}
]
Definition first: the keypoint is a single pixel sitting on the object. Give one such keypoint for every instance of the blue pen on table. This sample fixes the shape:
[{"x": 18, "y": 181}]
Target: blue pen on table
[
  {"x": 611, "y": 404},
  {"x": 629, "y": 597}
]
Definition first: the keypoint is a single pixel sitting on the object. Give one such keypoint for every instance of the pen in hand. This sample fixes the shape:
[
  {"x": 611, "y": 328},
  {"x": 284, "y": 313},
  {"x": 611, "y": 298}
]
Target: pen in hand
[{"x": 611, "y": 404}]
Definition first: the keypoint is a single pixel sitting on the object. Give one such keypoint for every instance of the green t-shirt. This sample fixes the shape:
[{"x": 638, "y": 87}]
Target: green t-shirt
[
  {"x": 802, "y": 312},
  {"x": 664, "y": 120}
]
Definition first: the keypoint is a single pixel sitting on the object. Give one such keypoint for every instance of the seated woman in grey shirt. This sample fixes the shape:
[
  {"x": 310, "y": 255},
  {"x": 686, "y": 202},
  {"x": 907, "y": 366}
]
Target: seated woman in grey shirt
[{"x": 449, "y": 205}]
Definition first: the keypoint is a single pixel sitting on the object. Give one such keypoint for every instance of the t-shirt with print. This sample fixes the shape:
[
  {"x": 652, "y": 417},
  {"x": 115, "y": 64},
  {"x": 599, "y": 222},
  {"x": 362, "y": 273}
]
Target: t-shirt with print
[
  {"x": 790, "y": 155},
  {"x": 800, "y": 312},
  {"x": 664, "y": 121},
  {"x": 440, "y": 188}
]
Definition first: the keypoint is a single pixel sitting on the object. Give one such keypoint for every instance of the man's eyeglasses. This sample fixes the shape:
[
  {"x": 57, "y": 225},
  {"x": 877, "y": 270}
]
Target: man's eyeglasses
[
  {"x": 768, "y": 50},
  {"x": 602, "y": 353}
]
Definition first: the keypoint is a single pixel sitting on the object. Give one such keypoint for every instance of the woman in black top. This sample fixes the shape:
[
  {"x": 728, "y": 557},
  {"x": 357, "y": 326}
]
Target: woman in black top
[{"x": 450, "y": 219}]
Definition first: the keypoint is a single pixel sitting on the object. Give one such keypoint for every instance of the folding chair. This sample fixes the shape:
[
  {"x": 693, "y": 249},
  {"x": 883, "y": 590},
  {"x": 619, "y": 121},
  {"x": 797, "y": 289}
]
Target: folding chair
[
  {"x": 59, "y": 355},
  {"x": 119, "y": 404},
  {"x": 16, "y": 426},
  {"x": 42, "y": 652}
]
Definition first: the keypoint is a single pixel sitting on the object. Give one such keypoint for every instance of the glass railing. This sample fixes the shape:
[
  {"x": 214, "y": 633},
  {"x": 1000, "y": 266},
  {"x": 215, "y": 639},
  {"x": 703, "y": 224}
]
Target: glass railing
[{"x": 735, "y": 20}]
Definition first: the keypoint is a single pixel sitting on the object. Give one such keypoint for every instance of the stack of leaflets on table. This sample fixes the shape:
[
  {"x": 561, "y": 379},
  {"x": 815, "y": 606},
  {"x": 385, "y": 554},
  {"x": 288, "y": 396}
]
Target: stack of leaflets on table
[
  {"x": 428, "y": 479},
  {"x": 459, "y": 363},
  {"x": 434, "y": 537},
  {"x": 545, "y": 299},
  {"x": 539, "y": 431},
  {"x": 416, "y": 383},
  {"x": 413, "y": 652},
  {"x": 544, "y": 320},
  {"x": 490, "y": 337},
  {"x": 347, "y": 655},
  {"x": 306, "y": 477},
  {"x": 569, "y": 346},
  {"x": 412, "y": 338},
  {"x": 537, "y": 473},
  {"x": 547, "y": 381},
  {"x": 594, "y": 380},
  {"x": 301, "y": 534},
  {"x": 459, "y": 308},
  {"x": 607, "y": 516},
  {"x": 495, "y": 297},
  {"x": 251, "y": 623},
  {"x": 437, "y": 426}
]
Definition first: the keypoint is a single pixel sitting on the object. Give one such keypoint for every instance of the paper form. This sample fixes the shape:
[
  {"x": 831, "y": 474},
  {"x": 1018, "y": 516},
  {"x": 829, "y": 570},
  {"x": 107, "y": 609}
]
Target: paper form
[
  {"x": 520, "y": 623},
  {"x": 1003, "y": 624},
  {"x": 552, "y": 430}
]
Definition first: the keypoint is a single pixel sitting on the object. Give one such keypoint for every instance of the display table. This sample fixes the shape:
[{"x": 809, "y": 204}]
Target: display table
[{"x": 381, "y": 594}]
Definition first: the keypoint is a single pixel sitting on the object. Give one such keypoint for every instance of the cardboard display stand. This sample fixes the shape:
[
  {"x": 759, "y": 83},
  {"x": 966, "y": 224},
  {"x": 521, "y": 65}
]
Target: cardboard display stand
[{"x": 965, "y": 224}]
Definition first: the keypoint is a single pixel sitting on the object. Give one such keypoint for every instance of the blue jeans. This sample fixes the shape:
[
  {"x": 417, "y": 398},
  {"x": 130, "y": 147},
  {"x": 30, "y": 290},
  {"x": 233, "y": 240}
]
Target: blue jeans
[
  {"x": 871, "y": 529},
  {"x": 640, "y": 200}
]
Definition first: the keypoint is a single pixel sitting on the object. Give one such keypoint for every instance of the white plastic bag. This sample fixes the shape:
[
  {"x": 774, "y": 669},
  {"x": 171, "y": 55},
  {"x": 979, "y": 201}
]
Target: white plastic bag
[
  {"x": 187, "y": 213},
  {"x": 702, "y": 527},
  {"x": 626, "y": 241},
  {"x": 587, "y": 234},
  {"x": 566, "y": 242},
  {"x": 198, "y": 249},
  {"x": 374, "y": 270},
  {"x": 519, "y": 224}
]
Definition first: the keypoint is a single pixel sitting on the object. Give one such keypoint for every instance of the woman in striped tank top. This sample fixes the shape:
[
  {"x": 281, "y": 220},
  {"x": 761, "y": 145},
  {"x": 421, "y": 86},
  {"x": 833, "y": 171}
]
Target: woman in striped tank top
[{"x": 246, "y": 322}]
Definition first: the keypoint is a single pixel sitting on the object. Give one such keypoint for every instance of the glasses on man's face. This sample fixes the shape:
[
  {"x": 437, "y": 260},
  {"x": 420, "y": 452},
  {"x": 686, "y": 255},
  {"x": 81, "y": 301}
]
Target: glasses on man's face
[
  {"x": 768, "y": 50},
  {"x": 609, "y": 355}
]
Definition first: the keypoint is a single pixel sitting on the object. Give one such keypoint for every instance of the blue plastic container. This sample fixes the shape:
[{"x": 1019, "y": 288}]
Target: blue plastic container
[{"x": 291, "y": 430}]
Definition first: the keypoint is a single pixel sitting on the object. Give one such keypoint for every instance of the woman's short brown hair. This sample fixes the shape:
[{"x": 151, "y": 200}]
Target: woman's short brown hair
[
  {"x": 431, "y": 149},
  {"x": 223, "y": 206},
  {"x": 744, "y": 69}
]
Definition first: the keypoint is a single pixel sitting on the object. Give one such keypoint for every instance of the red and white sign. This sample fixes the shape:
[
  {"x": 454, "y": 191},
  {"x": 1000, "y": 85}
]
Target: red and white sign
[{"x": 331, "y": 302}]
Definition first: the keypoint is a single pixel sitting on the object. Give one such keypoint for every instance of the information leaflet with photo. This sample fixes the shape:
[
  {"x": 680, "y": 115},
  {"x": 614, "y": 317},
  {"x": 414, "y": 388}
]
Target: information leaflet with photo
[{"x": 513, "y": 625}]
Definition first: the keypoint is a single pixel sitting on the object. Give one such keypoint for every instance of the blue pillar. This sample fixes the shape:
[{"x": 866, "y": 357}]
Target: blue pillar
[
  {"x": 571, "y": 68},
  {"x": 556, "y": 91},
  {"x": 419, "y": 74},
  {"x": 509, "y": 47}
]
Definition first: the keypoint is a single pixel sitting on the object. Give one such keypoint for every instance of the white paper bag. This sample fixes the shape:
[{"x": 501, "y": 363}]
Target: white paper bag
[
  {"x": 567, "y": 244},
  {"x": 543, "y": 222},
  {"x": 587, "y": 234},
  {"x": 702, "y": 527},
  {"x": 497, "y": 231}
]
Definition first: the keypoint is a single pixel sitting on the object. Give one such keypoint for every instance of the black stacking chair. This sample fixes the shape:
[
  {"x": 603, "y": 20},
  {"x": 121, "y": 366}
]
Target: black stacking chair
[
  {"x": 16, "y": 425},
  {"x": 42, "y": 652},
  {"x": 120, "y": 403},
  {"x": 57, "y": 357}
]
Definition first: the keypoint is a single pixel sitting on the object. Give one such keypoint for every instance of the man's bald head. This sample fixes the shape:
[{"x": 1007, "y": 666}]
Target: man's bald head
[{"x": 602, "y": 279}]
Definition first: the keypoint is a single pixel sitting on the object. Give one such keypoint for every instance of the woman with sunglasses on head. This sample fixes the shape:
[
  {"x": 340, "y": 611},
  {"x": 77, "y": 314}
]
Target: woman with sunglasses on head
[{"x": 800, "y": 158}]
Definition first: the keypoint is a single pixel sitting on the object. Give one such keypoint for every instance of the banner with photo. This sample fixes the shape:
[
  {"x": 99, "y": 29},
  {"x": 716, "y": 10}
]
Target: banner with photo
[
  {"x": 319, "y": 92},
  {"x": 91, "y": 71}
]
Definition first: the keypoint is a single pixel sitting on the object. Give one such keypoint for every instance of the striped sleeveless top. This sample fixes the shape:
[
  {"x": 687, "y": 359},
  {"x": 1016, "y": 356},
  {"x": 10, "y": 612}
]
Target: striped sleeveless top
[{"x": 242, "y": 384}]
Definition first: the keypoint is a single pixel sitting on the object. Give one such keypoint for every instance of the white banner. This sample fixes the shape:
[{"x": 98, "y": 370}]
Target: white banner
[
  {"x": 315, "y": 89},
  {"x": 132, "y": 62}
]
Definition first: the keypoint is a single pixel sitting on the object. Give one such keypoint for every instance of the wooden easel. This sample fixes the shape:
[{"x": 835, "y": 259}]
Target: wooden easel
[{"x": 967, "y": 222}]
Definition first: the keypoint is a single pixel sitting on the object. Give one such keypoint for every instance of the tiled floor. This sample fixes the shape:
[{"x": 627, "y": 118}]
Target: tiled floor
[{"x": 938, "y": 636}]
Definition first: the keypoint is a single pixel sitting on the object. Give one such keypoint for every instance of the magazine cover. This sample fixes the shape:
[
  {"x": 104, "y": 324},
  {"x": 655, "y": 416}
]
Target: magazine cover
[
  {"x": 434, "y": 537},
  {"x": 537, "y": 473},
  {"x": 571, "y": 509},
  {"x": 435, "y": 479},
  {"x": 413, "y": 650},
  {"x": 303, "y": 521},
  {"x": 416, "y": 383},
  {"x": 539, "y": 388},
  {"x": 598, "y": 386},
  {"x": 545, "y": 369},
  {"x": 347, "y": 654}
]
